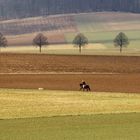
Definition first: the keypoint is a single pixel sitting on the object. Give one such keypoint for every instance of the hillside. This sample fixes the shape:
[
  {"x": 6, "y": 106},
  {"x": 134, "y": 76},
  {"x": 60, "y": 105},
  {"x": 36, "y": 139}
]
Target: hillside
[
  {"x": 99, "y": 27},
  {"x": 10, "y": 9}
]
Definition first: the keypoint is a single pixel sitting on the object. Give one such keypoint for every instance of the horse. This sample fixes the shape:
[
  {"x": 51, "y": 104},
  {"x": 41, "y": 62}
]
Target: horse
[{"x": 85, "y": 87}]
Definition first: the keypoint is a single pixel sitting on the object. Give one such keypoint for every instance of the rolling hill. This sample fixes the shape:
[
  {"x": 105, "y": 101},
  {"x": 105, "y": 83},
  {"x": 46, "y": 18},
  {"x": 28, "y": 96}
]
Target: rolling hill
[{"x": 99, "y": 27}]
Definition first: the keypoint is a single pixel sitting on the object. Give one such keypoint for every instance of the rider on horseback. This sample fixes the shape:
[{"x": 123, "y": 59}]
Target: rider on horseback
[
  {"x": 84, "y": 86},
  {"x": 84, "y": 83}
]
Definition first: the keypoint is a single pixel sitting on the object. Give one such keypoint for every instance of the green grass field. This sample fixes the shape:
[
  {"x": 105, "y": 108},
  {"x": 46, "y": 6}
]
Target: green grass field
[
  {"x": 105, "y": 37},
  {"x": 66, "y": 115},
  {"x": 90, "y": 127}
]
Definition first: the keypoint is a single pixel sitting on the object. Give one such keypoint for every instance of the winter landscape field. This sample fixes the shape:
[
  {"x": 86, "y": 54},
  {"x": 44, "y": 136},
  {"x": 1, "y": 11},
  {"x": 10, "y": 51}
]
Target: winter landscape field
[{"x": 40, "y": 96}]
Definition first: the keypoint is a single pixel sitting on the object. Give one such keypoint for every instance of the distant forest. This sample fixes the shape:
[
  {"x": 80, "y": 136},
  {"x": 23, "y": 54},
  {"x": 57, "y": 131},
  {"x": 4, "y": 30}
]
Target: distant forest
[{"x": 28, "y": 8}]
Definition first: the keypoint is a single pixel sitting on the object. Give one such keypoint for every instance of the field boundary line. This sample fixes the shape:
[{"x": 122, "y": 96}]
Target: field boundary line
[{"x": 62, "y": 73}]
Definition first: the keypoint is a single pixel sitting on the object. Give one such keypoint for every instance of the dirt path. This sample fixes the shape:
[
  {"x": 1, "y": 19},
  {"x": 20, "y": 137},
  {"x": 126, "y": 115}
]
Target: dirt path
[{"x": 62, "y": 73}]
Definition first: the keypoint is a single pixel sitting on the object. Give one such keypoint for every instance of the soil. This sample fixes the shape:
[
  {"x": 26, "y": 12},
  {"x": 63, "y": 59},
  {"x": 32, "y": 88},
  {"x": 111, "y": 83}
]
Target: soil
[{"x": 102, "y": 73}]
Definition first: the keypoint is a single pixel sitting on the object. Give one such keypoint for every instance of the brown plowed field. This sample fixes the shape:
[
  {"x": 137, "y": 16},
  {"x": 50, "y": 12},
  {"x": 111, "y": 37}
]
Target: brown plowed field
[
  {"x": 101, "y": 83},
  {"x": 115, "y": 73}
]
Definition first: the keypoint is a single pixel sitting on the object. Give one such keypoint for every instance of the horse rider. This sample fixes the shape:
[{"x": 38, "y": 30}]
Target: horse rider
[{"x": 83, "y": 83}]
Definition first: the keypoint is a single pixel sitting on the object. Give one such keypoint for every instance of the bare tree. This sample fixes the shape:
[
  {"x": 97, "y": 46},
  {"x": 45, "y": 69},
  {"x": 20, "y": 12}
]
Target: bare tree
[
  {"x": 121, "y": 41},
  {"x": 40, "y": 40},
  {"x": 3, "y": 41},
  {"x": 80, "y": 40}
]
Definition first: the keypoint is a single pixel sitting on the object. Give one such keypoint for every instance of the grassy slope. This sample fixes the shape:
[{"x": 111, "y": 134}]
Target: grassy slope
[
  {"x": 34, "y": 103},
  {"x": 103, "y": 27},
  {"x": 97, "y": 127},
  {"x": 100, "y": 28}
]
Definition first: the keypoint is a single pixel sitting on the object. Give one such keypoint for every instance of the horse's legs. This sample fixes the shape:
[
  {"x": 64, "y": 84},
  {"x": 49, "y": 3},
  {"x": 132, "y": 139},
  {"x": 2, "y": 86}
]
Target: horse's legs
[
  {"x": 89, "y": 89},
  {"x": 80, "y": 89}
]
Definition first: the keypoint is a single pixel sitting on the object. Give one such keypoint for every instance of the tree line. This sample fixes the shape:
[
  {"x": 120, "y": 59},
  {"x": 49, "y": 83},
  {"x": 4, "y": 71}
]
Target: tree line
[
  {"x": 28, "y": 8},
  {"x": 79, "y": 41}
]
